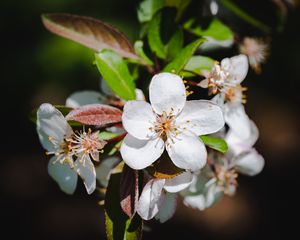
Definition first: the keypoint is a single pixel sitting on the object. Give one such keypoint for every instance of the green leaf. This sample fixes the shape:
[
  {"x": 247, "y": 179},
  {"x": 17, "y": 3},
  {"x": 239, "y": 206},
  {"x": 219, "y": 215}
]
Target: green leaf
[
  {"x": 116, "y": 74},
  {"x": 118, "y": 224},
  {"x": 138, "y": 46},
  {"x": 183, "y": 57},
  {"x": 216, "y": 30},
  {"x": 104, "y": 135},
  {"x": 197, "y": 64},
  {"x": 154, "y": 37},
  {"x": 218, "y": 144},
  {"x": 89, "y": 32},
  {"x": 148, "y": 8},
  {"x": 175, "y": 44}
]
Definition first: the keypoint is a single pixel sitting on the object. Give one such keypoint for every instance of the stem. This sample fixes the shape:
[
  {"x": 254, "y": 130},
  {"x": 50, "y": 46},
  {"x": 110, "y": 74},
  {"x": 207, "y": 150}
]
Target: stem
[{"x": 245, "y": 16}]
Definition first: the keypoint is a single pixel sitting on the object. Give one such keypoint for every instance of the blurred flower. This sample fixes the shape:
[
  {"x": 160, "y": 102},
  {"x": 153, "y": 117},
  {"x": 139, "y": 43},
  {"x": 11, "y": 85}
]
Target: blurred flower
[
  {"x": 257, "y": 51},
  {"x": 58, "y": 138},
  {"x": 170, "y": 122},
  {"x": 158, "y": 198}
]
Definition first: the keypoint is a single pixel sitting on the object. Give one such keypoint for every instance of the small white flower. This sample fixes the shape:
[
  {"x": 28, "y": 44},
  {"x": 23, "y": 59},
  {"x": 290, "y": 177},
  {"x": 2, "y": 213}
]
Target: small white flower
[
  {"x": 170, "y": 121},
  {"x": 229, "y": 73},
  {"x": 158, "y": 198},
  {"x": 71, "y": 150},
  {"x": 245, "y": 159},
  {"x": 257, "y": 51}
]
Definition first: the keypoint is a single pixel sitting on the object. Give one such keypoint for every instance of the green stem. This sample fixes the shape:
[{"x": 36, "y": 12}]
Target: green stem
[{"x": 245, "y": 16}]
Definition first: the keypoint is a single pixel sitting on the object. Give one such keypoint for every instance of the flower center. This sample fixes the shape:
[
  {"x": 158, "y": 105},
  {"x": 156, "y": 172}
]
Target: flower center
[
  {"x": 63, "y": 151},
  {"x": 165, "y": 126},
  {"x": 88, "y": 143},
  {"x": 235, "y": 94},
  {"x": 226, "y": 179},
  {"x": 217, "y": 79}
]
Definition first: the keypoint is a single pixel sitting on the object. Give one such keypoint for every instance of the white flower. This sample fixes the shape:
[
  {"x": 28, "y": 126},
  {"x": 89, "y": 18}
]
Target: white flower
[
  {"x": 230, "y": 73},
  {"x": 257, "y": 51},
  {"x": 202, "y": 193},
  {"x": 158, "y": 198},
  {"x": 71, "y": 150},
  {"x": 170, "y": 121},
  {"x": 212, "y": 182},
  {"x": 245, "y": 158}
]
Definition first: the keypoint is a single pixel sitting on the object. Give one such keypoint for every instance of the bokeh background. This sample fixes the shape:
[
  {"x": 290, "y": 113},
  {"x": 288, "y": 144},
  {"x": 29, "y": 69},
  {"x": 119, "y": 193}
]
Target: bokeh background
[{"x": 38, "y": 67}]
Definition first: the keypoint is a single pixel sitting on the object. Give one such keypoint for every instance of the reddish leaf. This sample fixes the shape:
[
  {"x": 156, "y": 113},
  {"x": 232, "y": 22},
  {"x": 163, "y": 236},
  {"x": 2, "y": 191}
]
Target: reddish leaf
[
  {"x": 129, "y": 190},
  {"x": 95, "y": 114},
  {"x": 89, "y": 32}
]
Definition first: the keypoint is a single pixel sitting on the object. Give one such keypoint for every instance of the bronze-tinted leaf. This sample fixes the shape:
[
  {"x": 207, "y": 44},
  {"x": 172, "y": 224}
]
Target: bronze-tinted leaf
[
  {"x": 95, "y": 114},
  {"x": 129, "y": 190},
  {"x": 89, "y": 32}
]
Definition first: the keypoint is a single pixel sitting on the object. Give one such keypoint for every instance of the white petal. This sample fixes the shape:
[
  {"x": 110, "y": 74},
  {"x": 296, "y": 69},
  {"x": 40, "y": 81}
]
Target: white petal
[
  {"x": 250, "y": 163},
  {"x": 237, "y": 66},
  {"x": 82, "y": 98},
  {"x": 167, "y": 93},
  {"x": 205, "y": 200},
  {"x": 179, "y": 182},
  {"x": 238, "y": 143},
  {"x": 187, "y": 151},
  {"x": 167, "y": 207},
  {"x": 51, "y": 123},
  {"x": 139, "y": 95},
  {"x": 219, "y": 100},
  {"x": 201, "y": 117},
  {"x": 64, "y": 175},
  {"x": 87, "y": 172},
  {"x": 149, "y": 201},
  {"x": 237, "y": 119},
  {"x": 138, "y": 119},
  {"x": 103, "y": 170},
  {"x": 139, "y": 154}
]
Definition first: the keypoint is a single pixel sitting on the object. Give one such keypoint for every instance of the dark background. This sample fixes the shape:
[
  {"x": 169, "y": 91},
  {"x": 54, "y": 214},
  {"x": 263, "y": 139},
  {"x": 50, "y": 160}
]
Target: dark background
[{"x": 38, "y": 67}]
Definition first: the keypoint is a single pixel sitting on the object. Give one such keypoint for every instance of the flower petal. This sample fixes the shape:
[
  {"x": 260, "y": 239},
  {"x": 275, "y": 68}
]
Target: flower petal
[
  {"x": 205, "y": 200},
  {"x": 237, "y": 119},
  {"x": 103, "y": 170},
  {"x": 167, "y": 207},
  {"x": 237, "y": 143},
  {"x": 149, "y": 201},
  {"x": 138, "y": 119},
  {"x": 237, "y": 66},
  {"x": 139, "y": 95},
  {"x": 250, "y": 163},
  {"x": 187, "y": 151},
  {"x": 179, "y": 182},
  {"x": 51, "y": 123},
  {"x": 86, "y": 171},
  {"x": 201, "y": 117},
  {"x": 82, "y": 98},
  {"x": 139, "y": 154},
  {"x": 167, "y": 93},
  {"x": 63, "y": 174}
]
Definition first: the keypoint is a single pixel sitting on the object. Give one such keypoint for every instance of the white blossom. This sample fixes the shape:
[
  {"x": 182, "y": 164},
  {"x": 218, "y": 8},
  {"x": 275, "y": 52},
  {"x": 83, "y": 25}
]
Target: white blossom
[
  {"x": 158, "y": 198},
  {"x": 169, "y": 122},
  {"x": 71, "y": 150}
]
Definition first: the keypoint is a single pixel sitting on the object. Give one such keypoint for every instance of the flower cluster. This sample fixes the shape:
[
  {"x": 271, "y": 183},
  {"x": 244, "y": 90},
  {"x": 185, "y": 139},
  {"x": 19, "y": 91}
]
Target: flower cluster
[{"x": 184, "y": 134}]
